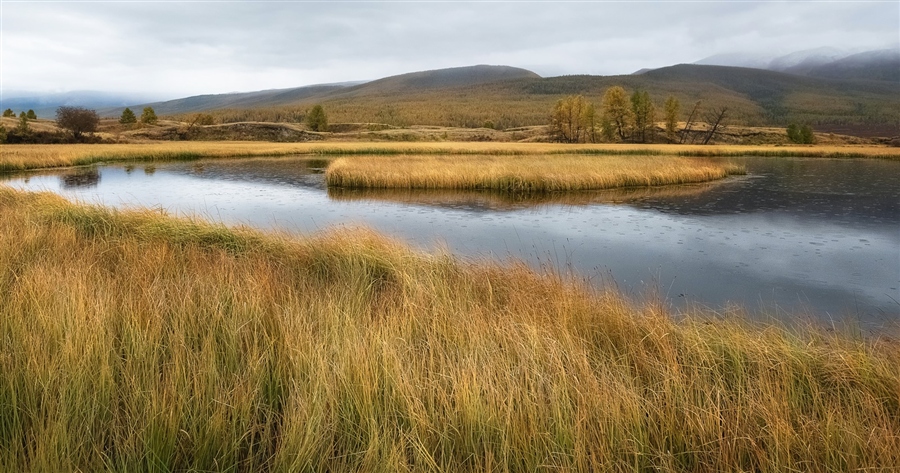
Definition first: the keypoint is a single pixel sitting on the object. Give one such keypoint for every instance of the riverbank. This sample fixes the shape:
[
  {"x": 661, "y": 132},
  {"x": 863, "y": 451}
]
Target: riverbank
[
  {"x": 546, "y": 173},
  {"x": 134, "y": 341},
  {"x": 24, "y": 157}
]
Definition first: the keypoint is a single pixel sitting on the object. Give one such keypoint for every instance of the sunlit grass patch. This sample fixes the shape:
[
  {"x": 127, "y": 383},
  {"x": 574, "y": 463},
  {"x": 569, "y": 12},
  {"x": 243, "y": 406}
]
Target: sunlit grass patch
[{"x": 524, "y": 173}]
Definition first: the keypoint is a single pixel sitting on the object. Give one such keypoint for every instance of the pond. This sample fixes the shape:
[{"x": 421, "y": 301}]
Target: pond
[{"x": 814, "y": 237}]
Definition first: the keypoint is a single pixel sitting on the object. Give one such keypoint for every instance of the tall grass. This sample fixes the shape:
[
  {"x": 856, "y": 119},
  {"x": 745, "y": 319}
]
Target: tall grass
[
  {"x": 135, "y": 342},
  {"x": 523, "y": 173},
  {"x": 23, "y": 157}
]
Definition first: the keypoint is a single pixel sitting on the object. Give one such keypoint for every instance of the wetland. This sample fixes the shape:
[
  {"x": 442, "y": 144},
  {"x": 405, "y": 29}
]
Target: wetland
[{"x": 809, "y": 236}]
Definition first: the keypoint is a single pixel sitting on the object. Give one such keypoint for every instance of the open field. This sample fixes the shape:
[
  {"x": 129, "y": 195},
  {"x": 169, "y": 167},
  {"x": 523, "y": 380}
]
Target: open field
[
  {"x": 22, "y": 157},
  {"x": 539, "y": 173},
  {"x": 137, "y": 342}
]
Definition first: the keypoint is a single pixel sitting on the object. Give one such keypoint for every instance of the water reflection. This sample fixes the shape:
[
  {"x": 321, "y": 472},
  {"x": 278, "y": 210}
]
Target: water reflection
[
  {"x": 491, "y": 200},
  {"x": 813, "y": 235},
  {"x": 89, "y": 177}
]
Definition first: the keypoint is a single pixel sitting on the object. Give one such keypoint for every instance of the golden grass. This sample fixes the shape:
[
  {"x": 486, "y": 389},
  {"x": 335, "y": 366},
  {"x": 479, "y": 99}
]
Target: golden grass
[
  {"x": 135, "y": 342},
  {"x": 523, "y": 173},
  {"x": 22, "y": 157}
]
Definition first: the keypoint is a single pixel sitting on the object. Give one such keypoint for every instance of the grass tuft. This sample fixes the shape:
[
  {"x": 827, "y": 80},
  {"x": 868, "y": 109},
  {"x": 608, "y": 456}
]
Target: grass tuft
[{"x": 132, "y": 341}]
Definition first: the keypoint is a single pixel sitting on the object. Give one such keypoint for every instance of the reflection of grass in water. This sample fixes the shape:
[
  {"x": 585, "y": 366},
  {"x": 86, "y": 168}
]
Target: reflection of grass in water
[
  {"x": 501, "y": 200},
  {"x": 81, "y": 177},
  {"x": 524, "y": 173},
  {"x": 136, "y": 342}
]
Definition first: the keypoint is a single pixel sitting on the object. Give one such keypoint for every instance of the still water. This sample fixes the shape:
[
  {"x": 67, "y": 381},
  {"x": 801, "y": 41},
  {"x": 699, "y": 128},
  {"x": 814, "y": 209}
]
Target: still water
[{"x": 818, "y": 237}]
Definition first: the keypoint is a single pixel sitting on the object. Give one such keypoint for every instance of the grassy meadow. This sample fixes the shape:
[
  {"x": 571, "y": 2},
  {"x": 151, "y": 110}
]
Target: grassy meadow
[
  {"x": 23, "y": 157},
  {"x": 133, "y": 341},
  {"x": 523, "y": 173}
]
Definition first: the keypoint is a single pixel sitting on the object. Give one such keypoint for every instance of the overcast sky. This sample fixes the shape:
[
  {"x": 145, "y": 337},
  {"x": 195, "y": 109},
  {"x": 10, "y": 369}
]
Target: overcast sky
[{"x": 172, "y": 49}]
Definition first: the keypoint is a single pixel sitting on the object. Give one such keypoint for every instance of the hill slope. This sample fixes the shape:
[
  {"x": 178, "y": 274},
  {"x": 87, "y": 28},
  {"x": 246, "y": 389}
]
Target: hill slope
[{"x": 507, "y": 97}]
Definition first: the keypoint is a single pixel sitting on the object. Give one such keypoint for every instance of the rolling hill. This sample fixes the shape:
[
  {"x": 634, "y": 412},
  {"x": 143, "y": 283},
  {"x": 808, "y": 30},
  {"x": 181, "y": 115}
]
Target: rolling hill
[{"x": 507, "y": 97}]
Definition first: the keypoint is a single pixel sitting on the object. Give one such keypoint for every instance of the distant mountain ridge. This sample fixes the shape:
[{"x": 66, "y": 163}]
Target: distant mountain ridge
[
  {"x": 511, "y": 97},
  {"x": 404, "y": 83},
  {"x": 828, "y": 63},
  {"x": 506, "y": 97}
]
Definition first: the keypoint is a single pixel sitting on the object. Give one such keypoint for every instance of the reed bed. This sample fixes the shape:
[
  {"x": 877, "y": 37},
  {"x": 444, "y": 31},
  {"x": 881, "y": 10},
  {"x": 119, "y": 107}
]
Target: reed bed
[
  {"x": 132, "y": 341},
  {"x": 23, "y": 157},
  {"x": 524, "y": 173}
]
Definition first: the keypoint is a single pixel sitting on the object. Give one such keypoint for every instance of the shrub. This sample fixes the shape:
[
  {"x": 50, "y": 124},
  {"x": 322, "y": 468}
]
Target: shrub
[{"x": 800, "y": 134}]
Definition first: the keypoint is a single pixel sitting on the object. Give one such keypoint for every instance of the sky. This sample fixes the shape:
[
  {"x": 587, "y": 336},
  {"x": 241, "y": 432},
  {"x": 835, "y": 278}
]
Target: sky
[{"x": 170, "y": 49}]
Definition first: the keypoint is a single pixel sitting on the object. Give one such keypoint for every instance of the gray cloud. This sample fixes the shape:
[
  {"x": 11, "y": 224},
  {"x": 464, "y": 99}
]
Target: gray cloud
[{"x": 176, "y": 49}]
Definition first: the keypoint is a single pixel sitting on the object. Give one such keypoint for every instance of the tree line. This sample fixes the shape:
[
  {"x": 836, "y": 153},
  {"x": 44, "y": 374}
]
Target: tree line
[{"x": 624, "y": 118}]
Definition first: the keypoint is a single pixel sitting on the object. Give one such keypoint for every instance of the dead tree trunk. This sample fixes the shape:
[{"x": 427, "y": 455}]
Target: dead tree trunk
[
  {"x": 714, "y": 118},
  {"x": 689, "y": 123}
]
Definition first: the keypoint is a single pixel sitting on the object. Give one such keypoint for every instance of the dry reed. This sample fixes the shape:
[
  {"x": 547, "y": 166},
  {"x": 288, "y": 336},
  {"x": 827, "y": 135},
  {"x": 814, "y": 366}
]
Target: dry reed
[
  {"x": 136, "y": 342},
  {"x": 22, "y": 157},
  {"x": 524, "y": 173}
]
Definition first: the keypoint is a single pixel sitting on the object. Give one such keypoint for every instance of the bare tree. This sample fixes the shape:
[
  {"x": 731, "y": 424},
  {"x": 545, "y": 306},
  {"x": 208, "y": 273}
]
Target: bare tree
[
  {"x": 714, "y": 118},
  {"x": 690, "y": 123},
  {"x": 78, "y": 120}
]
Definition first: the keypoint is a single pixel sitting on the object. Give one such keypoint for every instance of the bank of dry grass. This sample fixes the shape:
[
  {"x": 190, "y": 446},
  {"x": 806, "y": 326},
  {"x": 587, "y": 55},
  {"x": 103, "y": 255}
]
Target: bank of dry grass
[
  {"x": 135, "y": 342},
  {"x": 22, "y": 157},
  {"x": 524, "y": 173}
]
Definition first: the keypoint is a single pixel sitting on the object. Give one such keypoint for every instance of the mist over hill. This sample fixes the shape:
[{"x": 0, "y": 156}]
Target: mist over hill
[
  {"x": 45, "y": 105},
  {"x": 826, "y": 62}
]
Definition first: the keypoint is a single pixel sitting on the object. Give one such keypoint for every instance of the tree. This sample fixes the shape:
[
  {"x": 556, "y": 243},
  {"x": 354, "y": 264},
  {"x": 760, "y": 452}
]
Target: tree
[
  {"x": 8, "y": 113},
  {"x": 31, "y": 115},
  {"x": 128, "y": 117},
  {"x": 590, "y": 123},
  {"x": 78, "y": 120},
  {"x": 671, "y": 109},
  {"x": 616, "y": 113},
  {"x": 644, "y": 114},
  {"x": 316, "y": 120},
  {"x": 23, "y": 123},
  {"x": 148, "y": 116},
  {"x": 572, "y": 119},
  {"x": 806, "y": 135}
]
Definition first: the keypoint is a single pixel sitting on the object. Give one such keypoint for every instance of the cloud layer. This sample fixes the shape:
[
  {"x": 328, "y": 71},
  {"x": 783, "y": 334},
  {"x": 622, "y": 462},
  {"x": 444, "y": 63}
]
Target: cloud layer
[{"x": 175, "y": 49}]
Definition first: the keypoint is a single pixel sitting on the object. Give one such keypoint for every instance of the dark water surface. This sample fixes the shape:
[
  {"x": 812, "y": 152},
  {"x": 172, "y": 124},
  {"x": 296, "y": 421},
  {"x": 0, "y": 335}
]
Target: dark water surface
[{"x": 813, "y": 236}]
